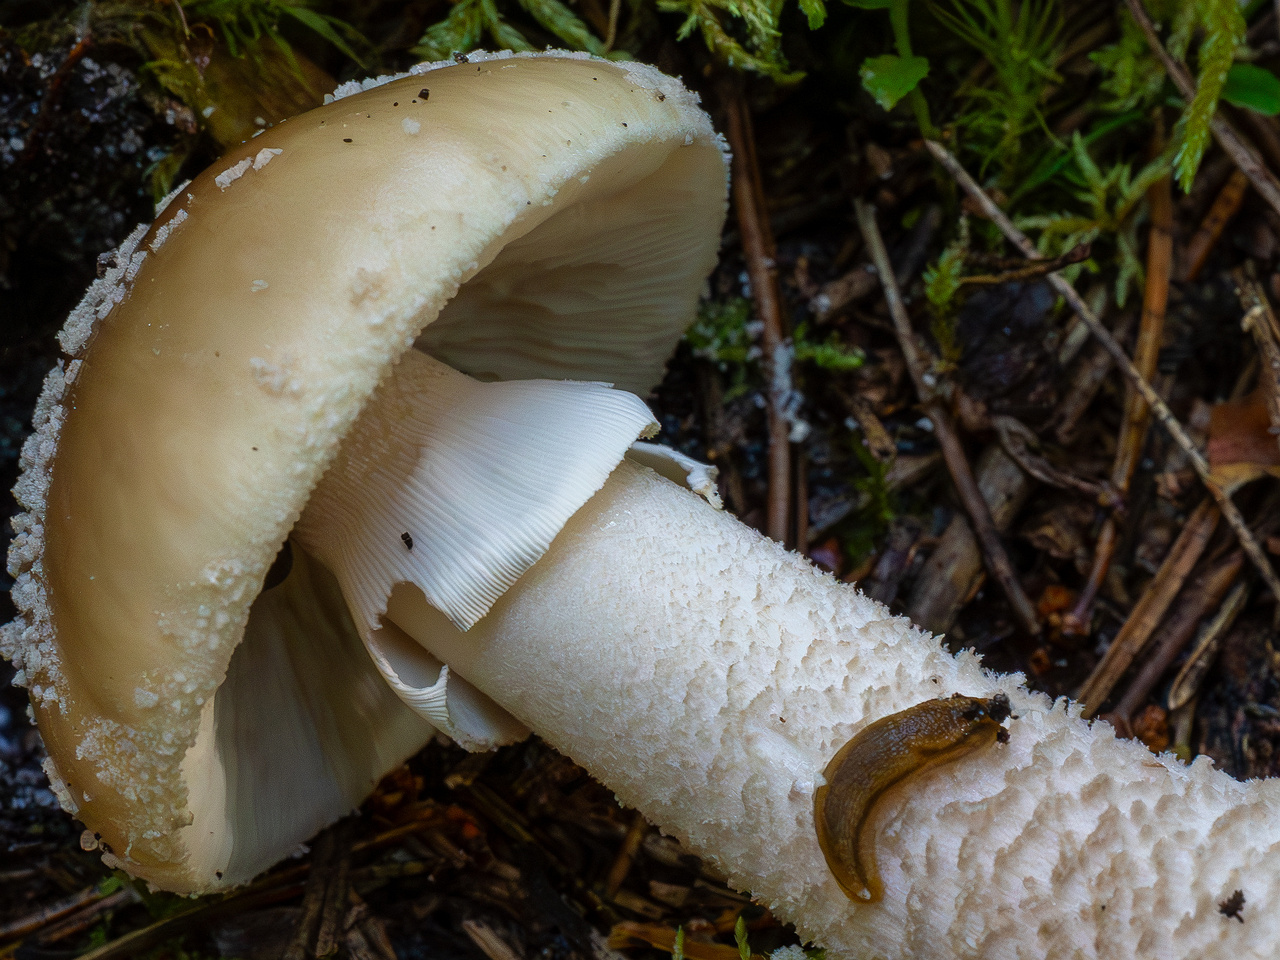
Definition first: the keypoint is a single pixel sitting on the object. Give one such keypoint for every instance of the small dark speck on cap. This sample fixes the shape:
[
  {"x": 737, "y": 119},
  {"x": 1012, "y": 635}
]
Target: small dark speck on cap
[
  {"x": 407, "y": 539},
  {"x": 396, "y": 104},
  {"x": 1233, "y": 906},
  {"x": 624, "y": 124},
  {"x": 346, "y": 140},
  {"x": 424, "y": 93}
]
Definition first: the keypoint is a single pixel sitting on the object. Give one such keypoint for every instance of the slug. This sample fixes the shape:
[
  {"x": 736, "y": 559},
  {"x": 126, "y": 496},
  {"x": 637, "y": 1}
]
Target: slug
[{"x": 882, "y": 755}]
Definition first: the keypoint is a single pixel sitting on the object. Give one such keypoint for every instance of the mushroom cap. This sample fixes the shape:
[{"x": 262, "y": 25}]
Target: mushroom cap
[{"x": 519, "y": 216}]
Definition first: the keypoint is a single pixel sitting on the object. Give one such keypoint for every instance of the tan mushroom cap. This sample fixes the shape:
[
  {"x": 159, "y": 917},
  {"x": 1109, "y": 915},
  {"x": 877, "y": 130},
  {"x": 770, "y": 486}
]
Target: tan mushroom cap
[{"x": 579, "y": 203}]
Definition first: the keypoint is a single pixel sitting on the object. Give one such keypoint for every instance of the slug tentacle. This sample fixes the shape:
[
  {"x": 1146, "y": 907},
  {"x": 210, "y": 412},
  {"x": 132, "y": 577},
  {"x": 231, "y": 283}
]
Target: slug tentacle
[{"x": 882, "y": 755}]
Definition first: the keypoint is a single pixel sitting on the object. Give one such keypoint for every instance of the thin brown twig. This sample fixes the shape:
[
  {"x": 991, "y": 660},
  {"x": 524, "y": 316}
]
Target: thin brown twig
[
  {"x": 1086, "y": 380},
  {"x": 1187, "y": 683},
  {"x": 1151, "y": 607},
  {"x": 324, "y": 851},
  {"x": 626, "y": 855},
  {"x": 1029, "y": 270},
  {"x": 1157, "y": 405},
  {"x": 802, "y": 501},
  {"x": 50, "y": 913},
  {"x": 1205, "y": 594},
  {"x": 1228, "y": 137},
  {"x": 944, "y": 429},
  {"x": 1260, "y": 321},
  {"x": 759, "y": 250},
  {"x": 81, "y": 920},
  {"x": 1137, "y": 416},
  {"x": 1225, "y": 206}
]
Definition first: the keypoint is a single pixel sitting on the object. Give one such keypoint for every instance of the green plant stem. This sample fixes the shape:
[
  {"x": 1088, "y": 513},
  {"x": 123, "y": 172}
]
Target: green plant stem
[{"x": 898, "y": 19}]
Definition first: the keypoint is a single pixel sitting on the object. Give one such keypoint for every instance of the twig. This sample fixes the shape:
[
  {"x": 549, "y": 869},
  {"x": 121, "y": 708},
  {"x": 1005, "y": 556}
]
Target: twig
[
  {"x": 48, "y": 914},
  {"x": 1204, "y": 595},
  {"x": 1137, "y": 416},
  {"x": 335, "y": 895},
  {"x": 1187, "y": 683},
  {"x": 1029, "y": 271},
  {"x": 52, "y": 97},
  {"x": 1157, "y": 405},
  {"x": 83, "y": 919},
  {"x": 1224, "y": 132},
  {"x": 1260, "y": 320},
  {"x": 631, "y": 934},
  {"x": 489, "y": 941},
  {"x": 1086, "y": 380},
  {"x": 953, "y": 571},
  {"x": 140, "y": 941},
  {"x": 323, "y": 853},
  {"x": 1151, "y": 607},
  {"x": 944, "y": 429},
  {"x": 1225, "y": 206},
  {"x": 626, "y": 855},
  {"x": 1020, "y": 442},
  {"x": 758, "y": 247},
  {"x": 802, "y": 501}
]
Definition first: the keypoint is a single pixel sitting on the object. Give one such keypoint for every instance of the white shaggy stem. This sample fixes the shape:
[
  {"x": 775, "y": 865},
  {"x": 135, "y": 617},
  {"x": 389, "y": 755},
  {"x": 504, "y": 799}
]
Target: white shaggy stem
[{"x": 707, "y": 676}]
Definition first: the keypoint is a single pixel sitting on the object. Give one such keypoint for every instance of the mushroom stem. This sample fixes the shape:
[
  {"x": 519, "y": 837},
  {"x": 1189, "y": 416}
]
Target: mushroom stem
[{"x": 709, "y": 677}]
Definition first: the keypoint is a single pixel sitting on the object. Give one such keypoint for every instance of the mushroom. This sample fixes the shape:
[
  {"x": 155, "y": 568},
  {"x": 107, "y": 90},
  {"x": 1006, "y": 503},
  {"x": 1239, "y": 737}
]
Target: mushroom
[{"x": 365, "y": 362}]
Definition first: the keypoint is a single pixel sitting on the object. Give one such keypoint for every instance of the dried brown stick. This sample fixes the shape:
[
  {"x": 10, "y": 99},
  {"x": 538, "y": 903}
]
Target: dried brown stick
[
  {"x": 1187, "y": 683},
  {"x": 953, "y": 571},
  {"x": 1137, "y": 416},
  {"x": 82, "y": 919},
  {"x": 49, "y": 913},
  {"x": 1029, "y": 270},
  {"x": 1022, "y": 443},
  {"x": 1161, "y": 410},
  {"x": 323, "y": 852},
  {"x": 758, "y": 248},
  {"x": 1202, "y": 597},
  {"x": 1225, "y": 206},
  {"x": 1228, "y": 137},
  {"x": 334, "y": 911},
  {"x": 1151, "y": 606},
  {"x": 140, "y": 941},
  {"x": 1086, "y": 380},
  {"x": 944, "y": 429},
  {"x": 802, "y": 501},
  {"x": 626, "y": 855},
  {"x": 1260, "y": 321}
]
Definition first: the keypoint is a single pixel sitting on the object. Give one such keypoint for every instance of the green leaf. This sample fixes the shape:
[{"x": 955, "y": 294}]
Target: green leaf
[
  {"x": 1252, "y": 87},
  {"x": 677, "y": 950},
  {"x": 889, "y": 78},
  {"x": 460, "y": 31},
  {"x": 555, "y": 17},
  {"x": 1224, "y": 28},
  {"x": 816, "y": 11},
  {"x": 740, "y": 937},
  {"x": 324, "y": 26}
]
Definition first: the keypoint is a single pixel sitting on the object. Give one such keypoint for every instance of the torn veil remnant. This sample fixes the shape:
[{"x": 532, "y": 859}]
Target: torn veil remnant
[{"x": 389, "y": 328}]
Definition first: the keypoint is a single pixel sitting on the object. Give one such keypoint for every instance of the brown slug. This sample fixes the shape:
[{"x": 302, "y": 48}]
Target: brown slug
[{"x": 883, "y": 755}]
